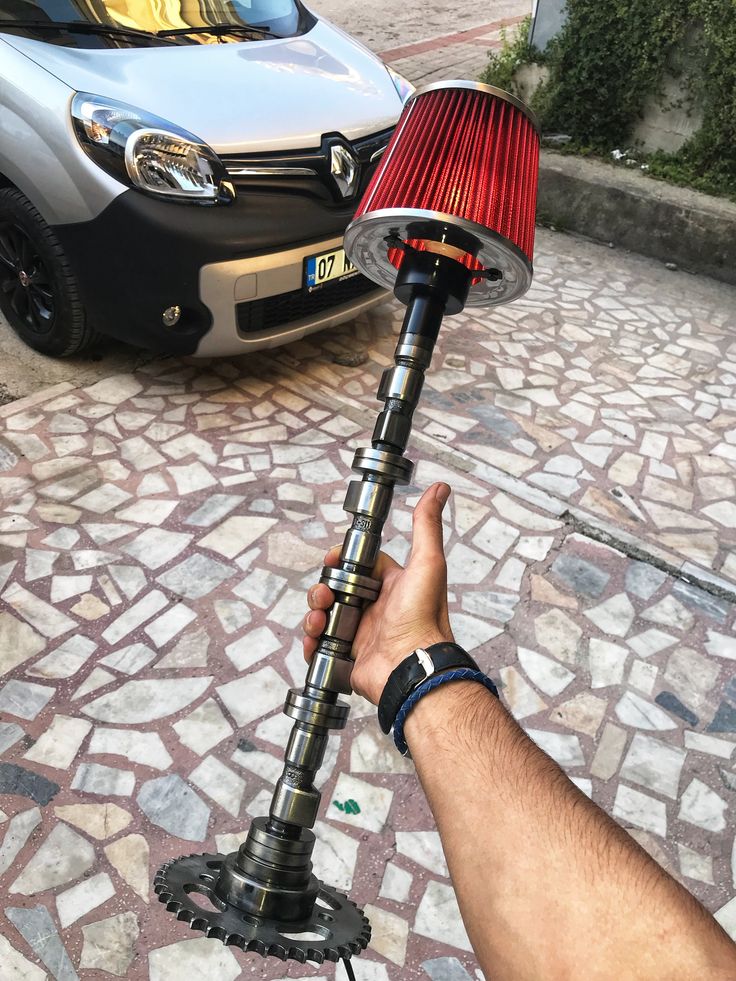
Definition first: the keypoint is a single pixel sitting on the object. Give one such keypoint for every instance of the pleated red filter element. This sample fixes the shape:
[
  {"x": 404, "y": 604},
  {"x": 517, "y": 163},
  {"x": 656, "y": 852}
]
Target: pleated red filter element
[{"x": 458, "y": 177}]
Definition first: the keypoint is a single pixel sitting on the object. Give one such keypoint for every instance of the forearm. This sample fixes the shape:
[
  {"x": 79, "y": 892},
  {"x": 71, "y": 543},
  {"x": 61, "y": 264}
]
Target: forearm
[{"x": 548, "y": 885}]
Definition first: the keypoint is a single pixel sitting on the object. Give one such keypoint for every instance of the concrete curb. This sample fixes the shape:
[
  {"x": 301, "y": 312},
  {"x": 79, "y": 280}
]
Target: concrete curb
[{"x": 674, "y": 224}]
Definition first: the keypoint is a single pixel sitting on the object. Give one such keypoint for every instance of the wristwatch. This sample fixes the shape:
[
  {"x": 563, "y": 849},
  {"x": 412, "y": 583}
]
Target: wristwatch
[{"x": 412, "y": 671}]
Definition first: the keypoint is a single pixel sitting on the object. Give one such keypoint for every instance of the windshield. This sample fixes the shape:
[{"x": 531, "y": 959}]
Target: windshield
[{"x": 282, "y": 17}]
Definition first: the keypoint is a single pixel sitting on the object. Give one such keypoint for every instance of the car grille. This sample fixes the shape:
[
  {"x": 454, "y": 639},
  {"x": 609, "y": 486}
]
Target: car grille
[
  {"x": 306, "y": 172},
  {"x": 275, "y": 311}
]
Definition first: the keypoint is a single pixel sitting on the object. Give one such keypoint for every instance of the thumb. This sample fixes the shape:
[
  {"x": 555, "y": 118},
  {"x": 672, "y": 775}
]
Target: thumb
[{"x": 427, "y": 541}]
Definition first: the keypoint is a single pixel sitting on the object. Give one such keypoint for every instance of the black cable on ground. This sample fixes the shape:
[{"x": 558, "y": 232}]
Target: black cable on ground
[{"x": 349, "y": 969}]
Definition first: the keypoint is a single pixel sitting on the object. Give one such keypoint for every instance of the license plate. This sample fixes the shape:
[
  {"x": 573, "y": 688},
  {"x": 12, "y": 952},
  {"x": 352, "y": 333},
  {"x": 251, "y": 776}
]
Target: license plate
[{"x": 326, "y": 268}]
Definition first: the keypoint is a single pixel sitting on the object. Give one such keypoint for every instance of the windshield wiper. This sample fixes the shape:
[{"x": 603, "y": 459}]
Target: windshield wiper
[
  {"x": 263, "y": 31},
  {"x": 82, "y": 27}
]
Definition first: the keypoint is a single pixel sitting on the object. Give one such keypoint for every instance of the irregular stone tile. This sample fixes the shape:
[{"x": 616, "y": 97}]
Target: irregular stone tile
[
  {"x": 18, "y": 968},
  {"x": 335, "y": 855},
  {"x": 203, "y": 728},
  {"x": 709, "y": 744},
  {"x": 136, "y": 615},
  {"x": 721, "y": 645},
  {"x": 98, "y": 820},
  {"x": 446, "y": 969},
  {"x": 691, "y": 676},
  {"x": 264, "y": 764},
  {"x": 196, "y": 576},
  {"x": 60, "y": 743},
  {"x": 584, "y": 713},
  {"x": 643, "y": 580},
  {"x": 220, "y": 783},
  {"x": 198, "y": 957},
  {"x": 65, "y": 660},
  {"x": 581, "y": 576},
  {"x": 491, "y": 605},
  {"x": 95, "y": 778},
  {"x": 232, "y": 614},
  {"x": 236, "y": 534},
  {"x": 614, "y": 616},
  {"x": 606, "y": 662},
  {"x": 558, "y": 634},
  {"x": 654, "y": 765},
  {"x": 129, "y": 857},
  {"x": 18, "y": 642},
  {"x": 170, "y": 804},
  {"x": 252, "y": 647},
  {"x": 63, "y": 857},
  {"x": 10, "y": 733},
  {"x": 438, "y": 917},
  {"x": 726, "y": 916},
  {"x": 90, "y": 607},
  {"x": 635, "y": 711},
  {"x": 495, "y": 537},
  {"x": 608, "y": 752},
  {"x": 520, "y": 697},
  {"x": 43, "y": 617},
  {"x": 22, "y": 782},
  {"x": 253, "y": 696},
  {"x": 374, "y": 803},
  {"x": 189, "y": 652},
  {"x": 650, "y": 642},
  {"x": 129, "y": 660},
  {"x": 24, "y": 698},
  {"x": 724, "y": 720},
  {"x": 547, "y": 675},
  {"x": 693, "y": 865},
  {"x": 261, "y": 588},
  {"x": 81, "y": 899},
  {"x": 701, "y": 806},
  {"x": 396, "y": 884},
  {"x": 632, "y": 807},
  {"x": 102, "y": 499},
  {"x": 215, "y": 507},
  {"x": 389, "y": 934},
  {"x": 129, "y": 578},
  {"x": 20, "y": 828},
  {"x": 146, "y": 700},
  {"x": 38, "y": 930},
  {"x": 470, "y": 632},
  {"x": 670, "y": 613},
  {"x": 155, "y": 547},
  {"x": 565, "y": 750},
  {"x": 64, "y": 587},
  {"x": 372, "y": 752},
  {"x": 97, "y": 678},
  {"x": 698, "y": 599},
  {"x": 138, "y": 747},
  {"x": 110, "y": 944},
  {"x": 672, "y": 704},
  {"x": 169, "y": 624},
  {"x": 424, "y": 848}
]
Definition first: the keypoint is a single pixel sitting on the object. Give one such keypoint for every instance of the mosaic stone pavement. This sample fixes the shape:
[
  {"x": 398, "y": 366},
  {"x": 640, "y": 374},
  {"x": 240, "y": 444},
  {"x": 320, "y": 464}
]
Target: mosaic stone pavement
[{"x": 157, "y": 533}]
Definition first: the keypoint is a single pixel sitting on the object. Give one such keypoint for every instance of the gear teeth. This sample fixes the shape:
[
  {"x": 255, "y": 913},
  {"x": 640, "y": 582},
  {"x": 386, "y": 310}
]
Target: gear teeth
[{"x": 174, "y": 880}]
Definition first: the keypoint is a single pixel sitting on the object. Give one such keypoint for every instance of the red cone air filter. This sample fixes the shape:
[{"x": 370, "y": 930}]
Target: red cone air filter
[{"x": 459, "y": 177}]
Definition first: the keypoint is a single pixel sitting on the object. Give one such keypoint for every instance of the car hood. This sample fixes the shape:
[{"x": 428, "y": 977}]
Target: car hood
[{"x": 254, "y": 96}]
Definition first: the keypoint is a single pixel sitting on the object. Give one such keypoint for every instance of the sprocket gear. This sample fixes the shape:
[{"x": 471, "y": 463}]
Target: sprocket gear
[{"x": 336, "y": 929}]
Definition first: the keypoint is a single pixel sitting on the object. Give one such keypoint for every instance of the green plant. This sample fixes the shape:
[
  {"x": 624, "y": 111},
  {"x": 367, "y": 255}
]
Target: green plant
[
  {"x": 613, "y": 54},
  {"x": 513, "y": 53}
]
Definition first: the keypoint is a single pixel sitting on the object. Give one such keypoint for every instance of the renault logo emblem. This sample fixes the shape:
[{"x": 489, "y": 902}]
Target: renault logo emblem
[{"x": 344, "y": 169}]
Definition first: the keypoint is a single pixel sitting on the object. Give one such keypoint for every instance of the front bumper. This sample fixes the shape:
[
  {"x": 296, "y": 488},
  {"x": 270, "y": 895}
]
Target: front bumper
[{"x": 140, "y": 256}]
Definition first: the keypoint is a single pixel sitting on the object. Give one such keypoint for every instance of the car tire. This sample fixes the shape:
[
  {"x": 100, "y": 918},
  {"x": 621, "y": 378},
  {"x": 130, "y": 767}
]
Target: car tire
[{"x": 39, "y": 295}]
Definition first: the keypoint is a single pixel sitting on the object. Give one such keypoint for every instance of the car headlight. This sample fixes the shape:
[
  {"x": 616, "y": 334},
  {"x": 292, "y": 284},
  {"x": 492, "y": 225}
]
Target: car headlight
[
  {"x": 149, "y": 153},
  {"x": 402, "y": 85}
]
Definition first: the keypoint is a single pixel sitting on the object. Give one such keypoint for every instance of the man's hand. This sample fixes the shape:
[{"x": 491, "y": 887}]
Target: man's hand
[{"x": 411, "y": 610}]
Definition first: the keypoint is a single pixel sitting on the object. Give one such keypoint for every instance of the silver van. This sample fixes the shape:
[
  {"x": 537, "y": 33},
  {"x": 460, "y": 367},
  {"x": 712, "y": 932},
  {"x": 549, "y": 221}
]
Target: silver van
[{"x": 179, "y": 175}]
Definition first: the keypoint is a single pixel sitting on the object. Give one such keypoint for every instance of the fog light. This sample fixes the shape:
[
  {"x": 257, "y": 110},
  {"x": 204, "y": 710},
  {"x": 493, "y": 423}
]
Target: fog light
[{"x": 171, "y": 316}]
